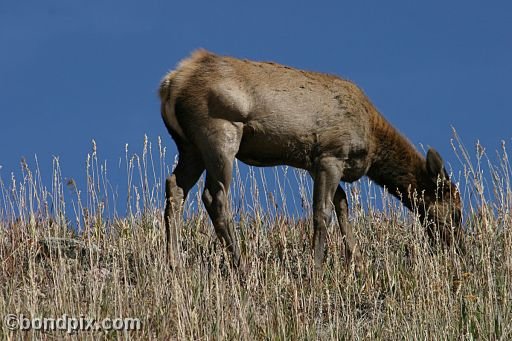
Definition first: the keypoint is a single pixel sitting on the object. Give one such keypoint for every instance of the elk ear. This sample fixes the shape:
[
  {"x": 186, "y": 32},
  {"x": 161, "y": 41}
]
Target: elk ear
[{"x": 435, "y": 164}]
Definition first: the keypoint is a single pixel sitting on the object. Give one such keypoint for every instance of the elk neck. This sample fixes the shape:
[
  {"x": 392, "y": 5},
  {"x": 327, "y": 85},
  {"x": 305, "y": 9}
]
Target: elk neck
[{"x": 396, "y": 164}]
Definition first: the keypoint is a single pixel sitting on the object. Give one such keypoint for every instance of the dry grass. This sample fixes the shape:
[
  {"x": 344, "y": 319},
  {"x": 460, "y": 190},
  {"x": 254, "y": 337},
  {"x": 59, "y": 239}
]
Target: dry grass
[{"x": 116, "y": 266}]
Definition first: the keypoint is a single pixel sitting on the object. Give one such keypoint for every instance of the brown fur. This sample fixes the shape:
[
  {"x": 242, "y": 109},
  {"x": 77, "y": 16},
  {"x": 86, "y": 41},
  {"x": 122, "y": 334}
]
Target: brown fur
[{"x": 217, "y": 108}]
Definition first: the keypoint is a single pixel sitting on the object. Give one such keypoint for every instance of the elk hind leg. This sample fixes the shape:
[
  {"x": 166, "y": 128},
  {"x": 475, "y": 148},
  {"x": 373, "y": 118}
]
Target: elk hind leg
[
  {"x": 185, "y": 175},
  {"x": 218, "y": 159}
]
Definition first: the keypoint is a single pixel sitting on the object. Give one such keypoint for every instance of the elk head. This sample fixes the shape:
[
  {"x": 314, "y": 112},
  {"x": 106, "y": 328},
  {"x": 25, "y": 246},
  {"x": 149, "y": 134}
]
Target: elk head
[{"x": 441, "y": 206}]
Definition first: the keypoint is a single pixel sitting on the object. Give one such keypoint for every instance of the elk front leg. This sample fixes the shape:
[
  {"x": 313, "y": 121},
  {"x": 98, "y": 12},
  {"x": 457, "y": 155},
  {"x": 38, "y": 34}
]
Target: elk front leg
[
  {"x": 341, "y": 207},
  {"x": 327, "y": 176}
]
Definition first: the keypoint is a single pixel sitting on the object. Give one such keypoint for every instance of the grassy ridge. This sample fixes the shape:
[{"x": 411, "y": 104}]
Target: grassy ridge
[{"x": 116, "y": 267}]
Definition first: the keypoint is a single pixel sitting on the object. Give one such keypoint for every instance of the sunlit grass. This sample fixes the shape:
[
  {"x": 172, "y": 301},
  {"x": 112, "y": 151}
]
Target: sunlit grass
[{"x": 66, "y": 250}]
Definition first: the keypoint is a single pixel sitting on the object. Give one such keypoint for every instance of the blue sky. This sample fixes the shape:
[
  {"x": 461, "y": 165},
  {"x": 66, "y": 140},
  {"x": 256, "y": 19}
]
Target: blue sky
[{"x": 72, "y": 71}]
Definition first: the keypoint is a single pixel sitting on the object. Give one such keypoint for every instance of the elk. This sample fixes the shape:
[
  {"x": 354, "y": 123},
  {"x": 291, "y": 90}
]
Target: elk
[{"x": 218, "y": 108}]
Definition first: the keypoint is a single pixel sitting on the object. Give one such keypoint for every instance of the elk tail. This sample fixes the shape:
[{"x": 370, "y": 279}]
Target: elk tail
[{"x": 167, "y": 109}]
